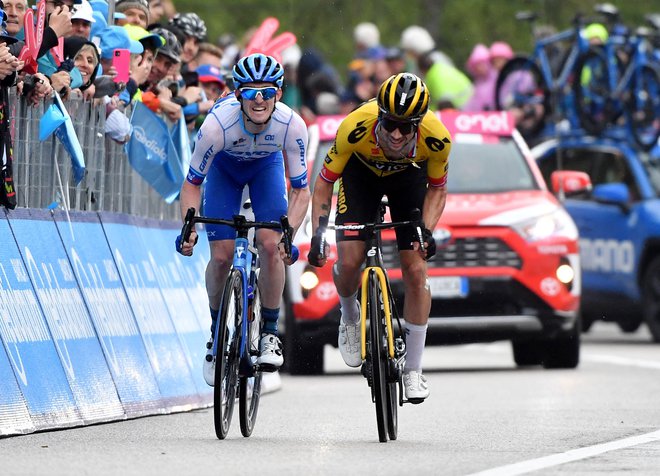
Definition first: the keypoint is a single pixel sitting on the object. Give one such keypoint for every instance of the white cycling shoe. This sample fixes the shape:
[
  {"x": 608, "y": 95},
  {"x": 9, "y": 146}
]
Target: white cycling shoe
[
  {"x": 271, "y": 357},
  {"x": 208, "y": 369},
  {"x": 416, "y": 386},
  {"x": 349, "y": 344}
]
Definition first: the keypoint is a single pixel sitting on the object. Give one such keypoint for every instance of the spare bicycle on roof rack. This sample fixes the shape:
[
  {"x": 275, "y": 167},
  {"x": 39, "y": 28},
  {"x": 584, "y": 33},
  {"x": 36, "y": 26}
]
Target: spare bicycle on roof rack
[
  {"x": 536, "y": 87},
  {"x": 618, "y": 83}
]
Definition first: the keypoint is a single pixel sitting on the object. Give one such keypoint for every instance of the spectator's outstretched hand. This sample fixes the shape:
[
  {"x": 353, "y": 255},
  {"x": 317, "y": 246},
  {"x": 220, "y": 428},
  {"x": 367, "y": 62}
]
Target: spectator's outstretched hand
[{"x": 60, "y": 21}]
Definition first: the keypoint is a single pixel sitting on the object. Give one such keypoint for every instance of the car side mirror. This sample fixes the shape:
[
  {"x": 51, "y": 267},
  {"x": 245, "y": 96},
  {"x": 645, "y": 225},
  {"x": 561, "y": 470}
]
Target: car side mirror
[
  {"x": 615, "y": 193},
  {"x": 570, "y": 182}
]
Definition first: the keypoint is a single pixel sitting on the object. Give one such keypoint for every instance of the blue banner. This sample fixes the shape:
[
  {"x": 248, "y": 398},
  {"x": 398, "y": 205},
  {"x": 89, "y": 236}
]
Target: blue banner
[
  {"x": 14, "y": 415},
  {"x": 98, "y": 279},
  {"x": 28, "y": 342},
  {"x": 153, "y": 155},
  {"x": 154, "y": 320},
  {"x": 184, "y": 306},
  {"x": 67, "y": 318}
]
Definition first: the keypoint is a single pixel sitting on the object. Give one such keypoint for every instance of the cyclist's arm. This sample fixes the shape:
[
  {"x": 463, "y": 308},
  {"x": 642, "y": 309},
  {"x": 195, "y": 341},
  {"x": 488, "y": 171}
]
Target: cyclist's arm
[
  {"x": 321, "y": 201},
  {"x": 434, "y": 205},
  {"x": 295, "y": 152}
]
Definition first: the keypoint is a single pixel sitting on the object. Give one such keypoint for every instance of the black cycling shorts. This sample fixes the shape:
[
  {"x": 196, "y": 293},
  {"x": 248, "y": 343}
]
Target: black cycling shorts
[{"x": 360, "y": 194}]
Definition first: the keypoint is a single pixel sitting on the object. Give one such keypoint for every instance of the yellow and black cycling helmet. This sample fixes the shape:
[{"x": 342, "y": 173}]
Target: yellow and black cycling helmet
[{"x": 403, "y": 96}]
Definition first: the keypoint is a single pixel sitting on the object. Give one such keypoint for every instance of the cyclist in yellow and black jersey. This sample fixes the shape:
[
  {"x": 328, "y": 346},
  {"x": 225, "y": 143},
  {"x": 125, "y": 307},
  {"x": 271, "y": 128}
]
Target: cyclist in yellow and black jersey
[
  {"x": 390, "y": 146},
  {"x": 357, "y": 140}
]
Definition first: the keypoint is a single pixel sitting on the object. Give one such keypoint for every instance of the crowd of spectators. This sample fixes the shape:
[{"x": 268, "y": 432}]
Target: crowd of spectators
[{"x": 176, "y": 71}]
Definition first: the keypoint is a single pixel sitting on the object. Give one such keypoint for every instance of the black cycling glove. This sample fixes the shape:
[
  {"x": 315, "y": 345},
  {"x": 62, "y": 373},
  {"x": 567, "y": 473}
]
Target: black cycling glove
[
  {"x": 427, "y": 236},
  {"x": 315, "y": 251}
]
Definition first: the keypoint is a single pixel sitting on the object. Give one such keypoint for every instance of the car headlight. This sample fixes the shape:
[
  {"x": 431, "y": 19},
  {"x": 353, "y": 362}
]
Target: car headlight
[{"x": 557, "y": 223}]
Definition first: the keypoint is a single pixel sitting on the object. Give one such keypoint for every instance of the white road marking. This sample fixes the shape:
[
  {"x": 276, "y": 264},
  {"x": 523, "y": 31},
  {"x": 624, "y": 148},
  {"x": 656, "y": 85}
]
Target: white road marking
[
  {"x": 611, "y": 359},
  {"x": 528, "y": 466}
]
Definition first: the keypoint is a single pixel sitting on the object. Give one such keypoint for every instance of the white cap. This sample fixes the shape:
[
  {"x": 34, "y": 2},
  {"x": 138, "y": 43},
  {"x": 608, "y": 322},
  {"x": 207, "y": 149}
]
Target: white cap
[
  {"x": 83, "y": 11},
  {"x": 367, "y": 35},
  {"x": 417, "y": 39},
  {"x": 291, "y": 55}
]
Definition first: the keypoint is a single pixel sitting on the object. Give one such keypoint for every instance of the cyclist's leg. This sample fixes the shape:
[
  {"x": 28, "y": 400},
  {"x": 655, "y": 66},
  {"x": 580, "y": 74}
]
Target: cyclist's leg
[
  {"x": 358, "y": 200},
  {"x": 406, "y": 194},
  {"x": 269, "y": 202},
  {"x": 222, "y": 199}
]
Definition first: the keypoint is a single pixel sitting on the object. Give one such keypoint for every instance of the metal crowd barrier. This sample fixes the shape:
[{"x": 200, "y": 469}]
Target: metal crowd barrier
[{"x": 43, "y": 173}]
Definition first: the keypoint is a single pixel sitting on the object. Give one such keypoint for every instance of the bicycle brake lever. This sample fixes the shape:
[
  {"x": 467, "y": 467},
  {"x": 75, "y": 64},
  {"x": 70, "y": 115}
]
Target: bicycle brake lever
[
  {"x": 416, "y": 218},
  {"x": 323, "y": 225},
  {"x": 286, "y": 232},
  {"x": 188, "y": 224}
]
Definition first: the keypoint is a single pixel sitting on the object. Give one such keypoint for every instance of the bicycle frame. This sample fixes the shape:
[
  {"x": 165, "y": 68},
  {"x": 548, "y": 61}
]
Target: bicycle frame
[
  {"x": 243, "y": 260},
  {"x": 579, "y": 46},
  {"x": 626, "y": 81}
]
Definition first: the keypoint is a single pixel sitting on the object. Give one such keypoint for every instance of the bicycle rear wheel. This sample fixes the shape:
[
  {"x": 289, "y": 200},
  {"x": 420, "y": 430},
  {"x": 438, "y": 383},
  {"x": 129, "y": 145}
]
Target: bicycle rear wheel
[
  {"x": 378, "y": 354},
  {"x": 643, "y": 107},
  {"x": 227, "y": 354},
  {"x": 521, "y": 90},
  {"x": 249, "y": 389}
]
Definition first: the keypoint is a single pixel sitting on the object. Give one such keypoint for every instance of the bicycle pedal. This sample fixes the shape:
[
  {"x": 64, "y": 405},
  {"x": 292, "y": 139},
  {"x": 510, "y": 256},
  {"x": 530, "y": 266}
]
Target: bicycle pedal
[{"x": 415, "y": 401}]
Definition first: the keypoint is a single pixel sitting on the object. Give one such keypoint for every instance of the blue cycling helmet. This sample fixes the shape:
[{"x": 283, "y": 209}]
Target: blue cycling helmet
[{"x": 257, "y": 68}]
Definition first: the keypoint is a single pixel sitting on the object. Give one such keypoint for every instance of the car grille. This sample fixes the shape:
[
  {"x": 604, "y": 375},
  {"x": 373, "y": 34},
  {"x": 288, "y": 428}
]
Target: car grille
[{"x": 470, "y": 252}]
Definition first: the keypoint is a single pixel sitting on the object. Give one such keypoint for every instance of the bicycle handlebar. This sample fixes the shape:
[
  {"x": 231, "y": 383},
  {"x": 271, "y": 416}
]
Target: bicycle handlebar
[
  {"x": 416, "y": 221},
  {"x": 239, "y": 223}
]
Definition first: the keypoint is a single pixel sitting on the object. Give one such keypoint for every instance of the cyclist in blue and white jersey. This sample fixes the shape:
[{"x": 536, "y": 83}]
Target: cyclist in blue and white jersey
[{"x": 249, "y": 138}]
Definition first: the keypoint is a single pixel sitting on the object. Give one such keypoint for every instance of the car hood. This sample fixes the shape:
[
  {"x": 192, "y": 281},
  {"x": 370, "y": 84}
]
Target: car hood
[{"x": 496, "y": 209}]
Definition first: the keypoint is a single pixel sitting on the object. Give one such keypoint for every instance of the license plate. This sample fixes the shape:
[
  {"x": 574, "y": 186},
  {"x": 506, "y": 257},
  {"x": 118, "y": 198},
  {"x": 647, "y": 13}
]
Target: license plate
[{"x": 448, "y": 286}]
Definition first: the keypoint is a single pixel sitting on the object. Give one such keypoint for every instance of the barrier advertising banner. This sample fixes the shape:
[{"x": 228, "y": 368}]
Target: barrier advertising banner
[
  {"x": 98, "y": 279},
  {"x": 27, "y": 339},
  {"x": 153, "y": 318},
  {"x": 14, "y": 415},
  {"x": 174, "y": 286},
  {"x": 66, "y": 315}
]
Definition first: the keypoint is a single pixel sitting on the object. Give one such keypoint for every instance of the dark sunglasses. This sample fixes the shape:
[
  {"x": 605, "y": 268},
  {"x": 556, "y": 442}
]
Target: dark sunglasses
[
  {"x": 405, "y": 127},
  {"x": 251, "y": 93}
]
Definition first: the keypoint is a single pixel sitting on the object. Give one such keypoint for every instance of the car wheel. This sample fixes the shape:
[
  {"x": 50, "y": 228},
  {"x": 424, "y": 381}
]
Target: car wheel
[
  {"x": 651, "y": 298},
  {"x": 587, "y": 322},
  {"x": 563, "y": 352},
  {"x": 527, "y": 353},
  {"x": 630, "y": 325}
]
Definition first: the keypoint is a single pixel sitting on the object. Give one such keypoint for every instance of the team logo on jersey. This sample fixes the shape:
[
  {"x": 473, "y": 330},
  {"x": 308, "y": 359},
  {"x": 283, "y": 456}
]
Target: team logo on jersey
[
  {"x": 239, "y": 141},
  {"x": 358, "y": 133},
  {"x": 385, "y": 167},
  {"x": 436, "y": 145}
]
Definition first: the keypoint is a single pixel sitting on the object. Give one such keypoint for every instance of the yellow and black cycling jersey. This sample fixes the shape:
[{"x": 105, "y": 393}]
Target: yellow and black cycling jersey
[{"x": 356, "y": 140}]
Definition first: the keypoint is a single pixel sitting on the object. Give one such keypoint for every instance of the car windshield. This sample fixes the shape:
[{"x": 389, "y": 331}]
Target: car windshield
[
  {"x": 473, "y": 168},
  {"x": 488, "y": 168}
]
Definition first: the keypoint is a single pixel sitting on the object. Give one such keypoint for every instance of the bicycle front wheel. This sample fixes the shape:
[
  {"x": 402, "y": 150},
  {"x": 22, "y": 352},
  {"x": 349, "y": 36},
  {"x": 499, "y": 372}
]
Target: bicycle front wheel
[
  {"x": 249, "y": 389},
  {"x": 643, "y": 106},
  {"x": 378, "y": 354},
  {"x": 594, "y": 105},
  {"x": 393, "y": 379},
  {"x": 521, "y": 90},
  {"x": 227, "y": 354}
]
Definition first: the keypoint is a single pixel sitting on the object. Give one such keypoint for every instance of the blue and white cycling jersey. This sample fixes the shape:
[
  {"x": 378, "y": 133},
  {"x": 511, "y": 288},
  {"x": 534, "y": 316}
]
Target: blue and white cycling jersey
[
  {"x": 229, "y": 158},
  {"x": 223, "y": 137}
]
